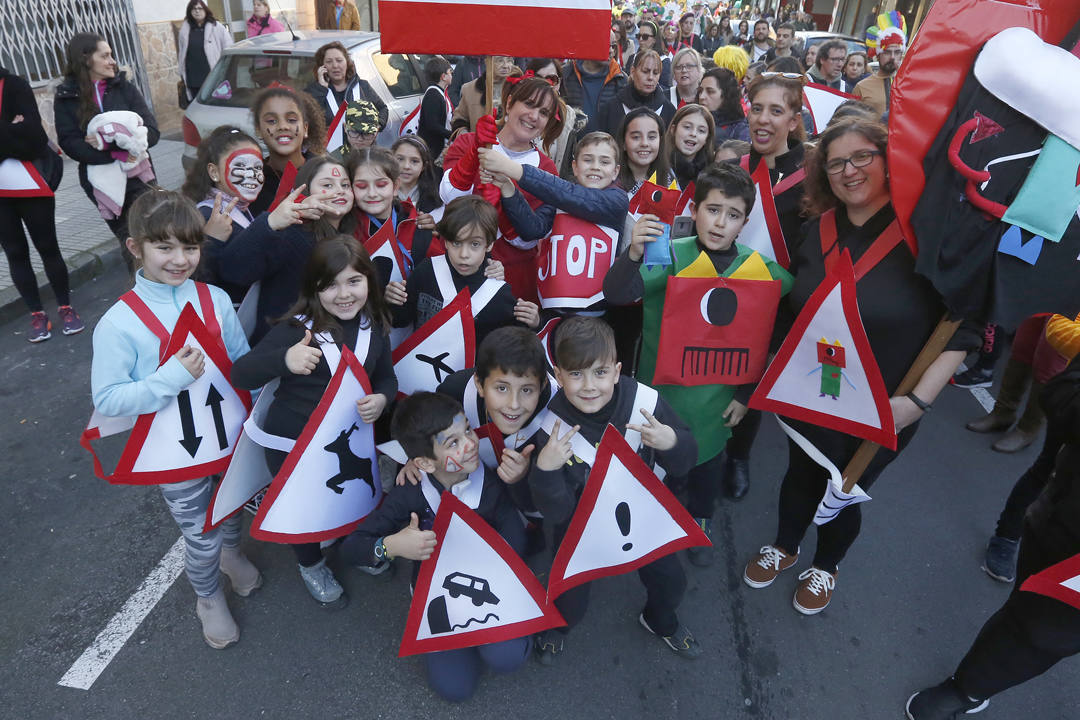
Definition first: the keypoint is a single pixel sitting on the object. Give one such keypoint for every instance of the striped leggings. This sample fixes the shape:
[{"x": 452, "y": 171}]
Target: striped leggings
[{"x": 188, "y": 502}]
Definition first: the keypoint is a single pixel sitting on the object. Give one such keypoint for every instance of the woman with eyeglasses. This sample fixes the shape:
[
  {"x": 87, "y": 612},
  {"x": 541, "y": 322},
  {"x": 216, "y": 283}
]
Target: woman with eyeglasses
[
  {"x": 643, "y": 90},
  {"x": 847, "y": 187},
  {"x": 649, "y": 39},
  {"x": 687, "y": 70}
]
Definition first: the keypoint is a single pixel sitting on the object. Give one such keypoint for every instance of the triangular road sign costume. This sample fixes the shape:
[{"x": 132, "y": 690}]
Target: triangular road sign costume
[
  {"x": 440, "y": 347},
  {"x": 1060, "y": 581},
  {"x": 762, "y": 231},
  {"x": 825, "y": 373},
  {"x": 19, "y": 178},
  {"x": 474, "y": 589},
  {"x": 335, "y": 134},
  {"x": 822, "y": 101},
  {"x": 626, "y": 518},
  {"x": 193, "y": 436},
  {"x": 329, "y": 481}
]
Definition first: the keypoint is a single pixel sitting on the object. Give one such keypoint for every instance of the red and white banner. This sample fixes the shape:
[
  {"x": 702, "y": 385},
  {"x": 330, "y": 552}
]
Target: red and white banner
[
  {"x": 576, "y": 29},
  {"x": 573, "y": 261}
]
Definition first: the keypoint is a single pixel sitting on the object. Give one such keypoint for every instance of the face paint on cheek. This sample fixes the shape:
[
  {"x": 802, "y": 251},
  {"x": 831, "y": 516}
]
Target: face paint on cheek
[
  {"x": 244, "y": 178},
  {"x": 452, "y": 465}
]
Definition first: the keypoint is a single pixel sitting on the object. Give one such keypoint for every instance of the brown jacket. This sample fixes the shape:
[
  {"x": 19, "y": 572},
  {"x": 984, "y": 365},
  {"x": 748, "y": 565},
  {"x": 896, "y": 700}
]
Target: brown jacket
[
  {"x": 350, "y": 17},
  {"x": 470, "y": 109}
]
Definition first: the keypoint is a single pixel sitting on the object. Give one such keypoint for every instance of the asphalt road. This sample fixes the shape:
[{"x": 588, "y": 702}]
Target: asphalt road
[{"x": 909, "y": 599}]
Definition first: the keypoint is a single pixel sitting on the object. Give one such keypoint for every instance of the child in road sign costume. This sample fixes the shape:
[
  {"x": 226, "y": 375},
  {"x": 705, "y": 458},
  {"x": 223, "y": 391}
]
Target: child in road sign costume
[
  {"x": 847, "y": 182},
  {"x": 468, "y": 229},
  {"x": 277, "y": 244},
  {"x": 434, "y": 433},
  {"x": 532, "y": 116},
  {"x": 375, "y": 177},
  {"x": 418, "y": 180},
  {"x": 579, "y": 223},
  {"x": 127, "y": 378},
  {"x": 723, "y": 198},
  {"x": 508, "y": 389},
  {"x": 341, "y": 304},
  {"x": 226, "y": 178},
  {"x": 291, "y": 126},
  {"x": 592, "y": 395}
]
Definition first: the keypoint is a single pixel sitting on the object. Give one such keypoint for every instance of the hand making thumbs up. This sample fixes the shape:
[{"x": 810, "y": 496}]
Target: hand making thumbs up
[{"x": 301, "y": 358}]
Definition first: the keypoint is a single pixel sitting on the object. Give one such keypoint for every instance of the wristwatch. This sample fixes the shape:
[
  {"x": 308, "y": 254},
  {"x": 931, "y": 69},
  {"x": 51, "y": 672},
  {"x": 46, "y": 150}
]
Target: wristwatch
[{"x": 380, "y": 550}]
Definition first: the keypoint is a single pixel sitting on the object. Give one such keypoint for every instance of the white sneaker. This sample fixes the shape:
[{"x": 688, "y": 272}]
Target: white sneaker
[{"x": 323, "y": 586}]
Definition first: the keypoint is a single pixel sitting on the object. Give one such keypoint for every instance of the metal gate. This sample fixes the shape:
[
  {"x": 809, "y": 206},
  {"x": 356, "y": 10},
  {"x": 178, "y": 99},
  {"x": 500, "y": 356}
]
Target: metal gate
[{"x": 34, "y": 35}]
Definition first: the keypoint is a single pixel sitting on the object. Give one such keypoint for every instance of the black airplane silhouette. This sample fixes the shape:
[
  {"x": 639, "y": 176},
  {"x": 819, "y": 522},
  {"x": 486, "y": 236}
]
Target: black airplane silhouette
[{"x": 437, "y": 364}]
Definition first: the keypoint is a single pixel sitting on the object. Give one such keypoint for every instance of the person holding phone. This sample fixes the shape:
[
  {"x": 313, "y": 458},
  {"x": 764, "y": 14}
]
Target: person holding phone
[{"x": 336, "y": 82}]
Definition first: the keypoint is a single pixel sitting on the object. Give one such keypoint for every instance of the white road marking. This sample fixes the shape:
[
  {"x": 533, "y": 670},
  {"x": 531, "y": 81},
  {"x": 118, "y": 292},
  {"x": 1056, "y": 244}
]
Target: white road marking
[{"x": 82, "y": 674}]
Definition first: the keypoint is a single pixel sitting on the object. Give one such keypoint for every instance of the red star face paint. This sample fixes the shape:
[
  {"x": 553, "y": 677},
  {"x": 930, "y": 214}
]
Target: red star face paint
[{"x": 244, "y": 173}]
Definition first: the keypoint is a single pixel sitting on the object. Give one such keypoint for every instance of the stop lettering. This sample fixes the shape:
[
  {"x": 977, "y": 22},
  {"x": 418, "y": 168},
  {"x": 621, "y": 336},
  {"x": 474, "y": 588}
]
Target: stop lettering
[{"x": 573, "y": 261}]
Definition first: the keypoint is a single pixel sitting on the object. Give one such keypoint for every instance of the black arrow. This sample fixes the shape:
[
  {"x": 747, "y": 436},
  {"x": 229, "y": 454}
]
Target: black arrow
[
  {"x": 213, "y": 401},
  {"x": 190, "y": 441}
]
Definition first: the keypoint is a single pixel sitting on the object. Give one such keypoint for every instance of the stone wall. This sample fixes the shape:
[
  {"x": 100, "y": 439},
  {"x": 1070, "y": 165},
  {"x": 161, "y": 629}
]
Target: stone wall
[{"x": 158, "y": 42}]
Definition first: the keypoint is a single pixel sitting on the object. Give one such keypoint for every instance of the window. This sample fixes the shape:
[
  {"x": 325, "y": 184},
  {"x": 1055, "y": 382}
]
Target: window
[
  {"x": 399, "y": 74},
  {"x": 237, "y": 79}
]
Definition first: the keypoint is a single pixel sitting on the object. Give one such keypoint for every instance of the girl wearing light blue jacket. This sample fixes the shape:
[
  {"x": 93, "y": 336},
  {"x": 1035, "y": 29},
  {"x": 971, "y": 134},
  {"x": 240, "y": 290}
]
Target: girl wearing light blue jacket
[{"x": 130, "y": 378}]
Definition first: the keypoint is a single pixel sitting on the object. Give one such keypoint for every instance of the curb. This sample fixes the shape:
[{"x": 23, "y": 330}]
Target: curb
[{"x": 83, "y": 267}]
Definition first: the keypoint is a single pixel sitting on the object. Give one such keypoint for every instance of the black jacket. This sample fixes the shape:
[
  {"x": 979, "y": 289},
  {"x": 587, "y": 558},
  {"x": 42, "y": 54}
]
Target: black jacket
[
  {"x": 71, "y": 130},
  {"x": 396, "y": 509},
  {"x": 25, "y": 140},
  {"x": 298, "y": 395},
  {"x": 612, "y": 113},
  {"x": 789, "y": 202},
  {"x": 574, "y": 94},
  {"x": 367, "y": 92}
]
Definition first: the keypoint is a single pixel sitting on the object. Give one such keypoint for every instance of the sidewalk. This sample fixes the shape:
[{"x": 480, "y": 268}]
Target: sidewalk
[{"x": 85, "y": 240}]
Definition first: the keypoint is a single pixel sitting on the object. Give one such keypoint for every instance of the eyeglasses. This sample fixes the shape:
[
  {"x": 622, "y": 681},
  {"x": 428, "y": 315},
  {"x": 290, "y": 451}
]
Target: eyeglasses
[
  {"x": 645, "y": 37},
  {"x": 785, "y": 75},
  {"x": 860, "y": 159},
  {"x": 836, "y": 59},
  {"x": 685, "y": 68}
]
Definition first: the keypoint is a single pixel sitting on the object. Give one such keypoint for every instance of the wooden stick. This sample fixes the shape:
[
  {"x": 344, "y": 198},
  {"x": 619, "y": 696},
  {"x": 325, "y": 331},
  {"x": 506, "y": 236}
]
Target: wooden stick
[
  {"x": 489, "y": 85},
  {"x": 930, "y": 352}
]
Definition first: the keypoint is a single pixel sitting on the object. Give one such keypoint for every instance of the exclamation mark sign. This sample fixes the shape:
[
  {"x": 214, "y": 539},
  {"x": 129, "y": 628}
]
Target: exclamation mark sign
[{"x": 622, "y": 517}]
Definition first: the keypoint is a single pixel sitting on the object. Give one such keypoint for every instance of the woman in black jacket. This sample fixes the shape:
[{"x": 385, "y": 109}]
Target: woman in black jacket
[
  {"x": 336, "y": 82},
  {"x": 92, "y": 84},
  {"x": 23, "y": 138},
  {"x": 643, "y": 90}
]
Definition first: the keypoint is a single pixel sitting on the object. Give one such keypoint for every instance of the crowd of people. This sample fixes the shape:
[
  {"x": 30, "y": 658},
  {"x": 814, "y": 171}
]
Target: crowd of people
[{"x": 698, "y": 99}]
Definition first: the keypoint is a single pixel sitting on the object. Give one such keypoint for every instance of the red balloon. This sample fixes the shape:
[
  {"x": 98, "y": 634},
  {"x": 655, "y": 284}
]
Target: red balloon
[{"x": 936, "y": 65}]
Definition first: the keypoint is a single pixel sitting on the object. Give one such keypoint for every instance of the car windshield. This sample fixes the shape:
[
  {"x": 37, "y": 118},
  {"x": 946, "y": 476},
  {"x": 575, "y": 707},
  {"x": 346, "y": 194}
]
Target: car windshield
[{"x": 238, "y": 78}]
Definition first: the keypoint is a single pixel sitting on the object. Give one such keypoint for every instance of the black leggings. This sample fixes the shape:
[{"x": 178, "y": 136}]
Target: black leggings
[
  {"x": 39, "y": 215},
  {"x": 1011, "y": 522},
  {"x": 804, "y": 485}
]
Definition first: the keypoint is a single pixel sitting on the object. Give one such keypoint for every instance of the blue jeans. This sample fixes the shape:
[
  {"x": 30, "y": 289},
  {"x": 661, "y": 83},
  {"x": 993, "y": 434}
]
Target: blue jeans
[{"x": 454, "y": 674}]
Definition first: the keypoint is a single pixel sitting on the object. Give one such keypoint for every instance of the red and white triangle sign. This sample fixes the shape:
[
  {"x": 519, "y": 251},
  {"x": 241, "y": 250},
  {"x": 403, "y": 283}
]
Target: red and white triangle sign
[
  {"x": 822, "y": 101},
  {"x": 383, "y": 248},
  {"x": 474, "y": 589},
  {"x": 625, "y": 518},
  {"x": 825, "y": 373},
  {"x": 194, "y": 434},
  {"x": 546, "y": 336},
  {"x": 762, "y": 231},
  {"x": 682, "y": 208},
  {"x": 330, "y": 480},
  {"x": 335, "y": 134},
  {"x": 440, "y": 347},
  {"x": 1060, "y": 581},
  {"x": 19, "y": 178}
]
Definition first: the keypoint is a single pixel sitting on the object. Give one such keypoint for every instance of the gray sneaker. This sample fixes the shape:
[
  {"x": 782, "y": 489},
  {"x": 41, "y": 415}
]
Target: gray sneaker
[
  {"x": 323, "y": 586},
  {"x": 1000, "y": 560}
]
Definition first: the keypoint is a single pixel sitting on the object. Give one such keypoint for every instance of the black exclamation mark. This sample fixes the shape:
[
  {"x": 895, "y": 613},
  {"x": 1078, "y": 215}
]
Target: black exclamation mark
[{"x": 622, "y": 517}]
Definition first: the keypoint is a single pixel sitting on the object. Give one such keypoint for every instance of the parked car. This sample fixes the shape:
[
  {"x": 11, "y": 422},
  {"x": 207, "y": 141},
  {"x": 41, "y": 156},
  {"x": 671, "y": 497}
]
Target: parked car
[
  {"x": 805, "y": 38},
  {"x": 253, "y": 64}
]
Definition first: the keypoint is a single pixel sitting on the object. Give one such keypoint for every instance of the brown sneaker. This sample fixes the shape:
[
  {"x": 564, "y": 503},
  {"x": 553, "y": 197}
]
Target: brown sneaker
[
  {"x": 766, "y": 565},
  {"x": 814, "y": 591}
]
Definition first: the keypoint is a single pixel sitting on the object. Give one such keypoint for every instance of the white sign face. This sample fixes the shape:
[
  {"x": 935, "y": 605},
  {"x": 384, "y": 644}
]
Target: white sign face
[
  {"x": 330, "y": 480},
  {"x": 442, "y": 346},
  {"x": 200, "y": 425},
  {"x": 801, "y": 383},
  {"x": 626, "y": 523},
  {"x": 14, "y": 177},
  {"x": 472, "y": 588}
]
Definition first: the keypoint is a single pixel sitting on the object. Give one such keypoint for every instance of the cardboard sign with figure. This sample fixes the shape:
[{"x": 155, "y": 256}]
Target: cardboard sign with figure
[
  {"x": 329, "y": 481},
  {"x": 194, "y": 434},
  {"x": 572, "y": 262},
  {"x": 715, "y": 330},
  {"x": 474, "y": 589},
  {"x": 437, "y": 349},
  {"x": 1060, "y": 581},
  {"x": 651, "y": 199},
  {"x": 825, "y": 373},
  {"x": 625, "y": 518}
]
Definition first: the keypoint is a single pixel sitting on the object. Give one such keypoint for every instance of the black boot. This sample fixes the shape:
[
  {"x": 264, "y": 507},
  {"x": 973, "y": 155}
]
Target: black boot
[{"x": 736, "y": 477}]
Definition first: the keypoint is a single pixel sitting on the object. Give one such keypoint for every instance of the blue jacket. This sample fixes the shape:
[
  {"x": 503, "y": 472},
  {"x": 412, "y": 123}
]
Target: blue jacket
[
  {"x": 124, "y": 375},
  {"x": 606, "y": 207}
]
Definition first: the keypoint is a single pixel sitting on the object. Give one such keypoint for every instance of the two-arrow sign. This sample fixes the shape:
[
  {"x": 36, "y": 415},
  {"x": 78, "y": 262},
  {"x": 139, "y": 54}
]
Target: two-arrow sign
[{"x": 190, "y": 441}]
